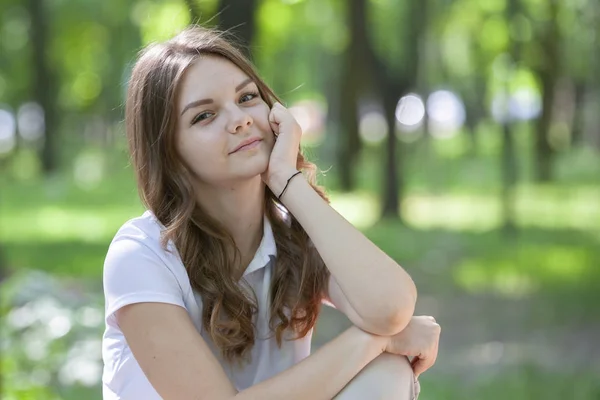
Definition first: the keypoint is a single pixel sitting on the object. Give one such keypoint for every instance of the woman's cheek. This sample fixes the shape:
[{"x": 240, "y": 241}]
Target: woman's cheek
[{"x": 262, "y": 116}]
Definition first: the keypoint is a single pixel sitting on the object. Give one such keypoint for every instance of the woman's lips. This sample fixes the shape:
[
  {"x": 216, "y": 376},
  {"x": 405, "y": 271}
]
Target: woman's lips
[{"x": 248, "y": 146}]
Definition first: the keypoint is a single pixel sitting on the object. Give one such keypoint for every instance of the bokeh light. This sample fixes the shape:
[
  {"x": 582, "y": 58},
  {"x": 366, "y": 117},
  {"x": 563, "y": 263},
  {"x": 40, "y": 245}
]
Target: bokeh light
[
  {"x": 31, "y": 122},
  {"x": 8, "y": 128},
  {"x": 446, "y": 113},
  {"x": 373, "y": 127},
  {"x": 410, "y": 111},
  {"x": 88, "y": 170},
  {"x": 525, "y": 104},
  {"x": 310, "y": 115}
]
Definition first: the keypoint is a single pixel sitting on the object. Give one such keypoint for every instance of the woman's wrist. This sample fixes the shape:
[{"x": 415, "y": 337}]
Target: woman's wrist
[
  {"x": 278, "y": 180},
  {"x": 380, "y": 343}
]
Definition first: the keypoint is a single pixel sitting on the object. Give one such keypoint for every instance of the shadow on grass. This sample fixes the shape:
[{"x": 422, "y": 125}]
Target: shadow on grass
[
  {"x": 561, "y": 268},
  {"x": 444, "y": 262},
  {"x": 520, "y": 383},
  {"x": 63, "y": 258}
]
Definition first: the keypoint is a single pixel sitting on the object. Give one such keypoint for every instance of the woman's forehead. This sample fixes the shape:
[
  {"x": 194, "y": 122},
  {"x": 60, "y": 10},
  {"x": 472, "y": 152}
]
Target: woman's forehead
[{"x": 212, "y": 73}]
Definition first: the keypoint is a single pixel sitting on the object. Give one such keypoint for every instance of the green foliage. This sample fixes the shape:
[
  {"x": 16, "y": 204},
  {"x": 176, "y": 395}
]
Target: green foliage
[
  {"x": 50, "y": 335},
  {"x": 159, "y": 20},
  {"x": 452, "y": 241},
  {"x": 389, "y": 31}
]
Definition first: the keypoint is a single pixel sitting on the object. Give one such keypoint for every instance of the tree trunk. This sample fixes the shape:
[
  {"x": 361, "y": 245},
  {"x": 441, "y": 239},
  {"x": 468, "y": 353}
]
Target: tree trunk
[
  {"x": 578, "y": 124},
  {"x": 354, "y": 71},
  {"x": 593, "y": 135},
  {"x": 475, "y": 109},
  {"x": 509, "y": 159},
  {"x": 237, "y": 16},
  {"x": 43, "y": 83},
  {"x": 393, "y": 168},
  {"x": 543, "y": 151},
  {"x": 392, "y": 85},
  {"x": 348, "y": 127},
  {"x": 509, "y": 179},
  {"x": 548, "y": 73}
]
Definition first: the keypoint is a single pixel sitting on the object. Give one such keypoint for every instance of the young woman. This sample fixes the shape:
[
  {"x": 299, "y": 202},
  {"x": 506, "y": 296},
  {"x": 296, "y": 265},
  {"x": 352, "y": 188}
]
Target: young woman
[{"x": 213, "y": 292}]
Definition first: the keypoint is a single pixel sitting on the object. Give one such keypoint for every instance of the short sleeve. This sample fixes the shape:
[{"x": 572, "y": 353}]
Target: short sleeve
[{"x": 134, "y": 273}]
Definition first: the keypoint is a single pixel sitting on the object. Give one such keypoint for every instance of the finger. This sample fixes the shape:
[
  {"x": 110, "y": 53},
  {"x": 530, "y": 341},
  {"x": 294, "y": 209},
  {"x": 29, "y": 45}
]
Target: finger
[
  {"x": 277, "y": 114},
  {"x": 434, "y": 354},
  {"x": 274, "y": 122},
  {"x": 280, "y": 121},
  {"x": 414, "y": 360},
  {"x": 421, "y": 365},
  {"x": 274, "y": 128},
  {"x": 418, "y": 368},
  {"x": 284, "y": 119},
  {"x": 424, "y": 363},
  {"x": 273, "y": 117},
  {"x": 278, "y": 111}
]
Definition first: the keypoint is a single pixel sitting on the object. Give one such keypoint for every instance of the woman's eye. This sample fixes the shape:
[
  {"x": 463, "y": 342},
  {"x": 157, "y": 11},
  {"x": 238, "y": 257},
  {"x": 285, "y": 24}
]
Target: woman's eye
[
  {"x": 248, "y": 97},
  {"x": 201, "y": 117}
]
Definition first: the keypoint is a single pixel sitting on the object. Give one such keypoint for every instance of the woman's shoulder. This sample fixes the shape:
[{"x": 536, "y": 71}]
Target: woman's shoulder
[
  {"x": 145, "y": 229},
  {"x": 142, "y": 236},
  {"x": 137, "y": 249},
  {"x": 138, "y": 269}
]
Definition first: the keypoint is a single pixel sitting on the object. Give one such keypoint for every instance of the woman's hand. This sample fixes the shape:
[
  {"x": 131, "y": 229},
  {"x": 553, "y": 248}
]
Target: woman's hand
[
  {"x": 420, "y": 340},
  {"x": 282, "y": 163}
]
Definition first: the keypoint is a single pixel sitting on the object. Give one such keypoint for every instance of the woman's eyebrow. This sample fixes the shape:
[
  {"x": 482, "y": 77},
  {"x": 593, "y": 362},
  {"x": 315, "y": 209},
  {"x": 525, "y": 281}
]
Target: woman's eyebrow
[
  {"x": 243, "y": 84},
  {"x": 197, "y": 103}
]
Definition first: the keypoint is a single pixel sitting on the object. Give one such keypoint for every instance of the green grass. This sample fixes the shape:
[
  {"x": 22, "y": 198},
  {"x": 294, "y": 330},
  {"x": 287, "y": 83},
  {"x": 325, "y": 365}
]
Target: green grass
[
  {"x": 518, "y": 384},
  {"x": 521, "y": 383},
  {"x": 452, "y": 242}
]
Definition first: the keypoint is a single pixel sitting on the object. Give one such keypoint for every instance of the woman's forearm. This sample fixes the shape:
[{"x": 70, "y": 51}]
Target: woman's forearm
[
  {"x": 376, "y": 287},
  {"x": 323, "y": 374}
]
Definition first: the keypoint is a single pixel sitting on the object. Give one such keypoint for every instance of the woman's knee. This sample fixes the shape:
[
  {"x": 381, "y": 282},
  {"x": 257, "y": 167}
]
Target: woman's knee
[{"x": 388, "y": 377}]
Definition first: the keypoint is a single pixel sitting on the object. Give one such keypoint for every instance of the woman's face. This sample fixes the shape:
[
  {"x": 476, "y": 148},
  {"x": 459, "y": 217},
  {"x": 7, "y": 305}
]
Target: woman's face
[{"x": 219, "y": 110}]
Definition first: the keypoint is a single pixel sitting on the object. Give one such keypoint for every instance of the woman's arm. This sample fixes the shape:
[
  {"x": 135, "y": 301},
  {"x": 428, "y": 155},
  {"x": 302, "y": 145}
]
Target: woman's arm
[
  {"x": 374, "y": 292},
  {"x": 180, "y": 366}
]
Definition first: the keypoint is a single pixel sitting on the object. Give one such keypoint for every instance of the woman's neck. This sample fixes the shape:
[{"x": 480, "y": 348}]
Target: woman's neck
[{"x": 240, "y": 208}]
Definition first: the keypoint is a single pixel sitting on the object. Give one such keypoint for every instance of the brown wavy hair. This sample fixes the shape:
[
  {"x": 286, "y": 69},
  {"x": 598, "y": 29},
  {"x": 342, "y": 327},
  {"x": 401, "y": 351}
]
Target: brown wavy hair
[{"x": 207, "y": 250}]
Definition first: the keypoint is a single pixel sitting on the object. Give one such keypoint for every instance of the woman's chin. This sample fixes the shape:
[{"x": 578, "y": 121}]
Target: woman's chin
[{"x": 255, "y": 166}]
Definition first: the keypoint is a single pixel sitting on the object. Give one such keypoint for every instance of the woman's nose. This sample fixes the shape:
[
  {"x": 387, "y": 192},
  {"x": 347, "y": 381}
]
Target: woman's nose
[{"x": 239, "y": 121}]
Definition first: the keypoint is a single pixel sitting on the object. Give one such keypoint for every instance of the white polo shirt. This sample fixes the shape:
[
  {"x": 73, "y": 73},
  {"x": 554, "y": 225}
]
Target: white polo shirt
[{"x": 137, "y": 269}]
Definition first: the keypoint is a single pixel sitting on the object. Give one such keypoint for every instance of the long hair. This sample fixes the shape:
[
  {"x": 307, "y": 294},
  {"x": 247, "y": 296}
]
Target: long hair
[{"x": 206, "y": 249}]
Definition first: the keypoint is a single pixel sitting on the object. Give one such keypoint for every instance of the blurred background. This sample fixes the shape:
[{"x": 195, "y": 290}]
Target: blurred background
[{"x": 462, "y": 136}]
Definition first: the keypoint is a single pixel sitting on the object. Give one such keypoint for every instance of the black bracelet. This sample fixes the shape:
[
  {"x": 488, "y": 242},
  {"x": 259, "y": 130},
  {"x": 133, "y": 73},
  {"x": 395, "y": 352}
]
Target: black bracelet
[{"x": 286, "y": 185}]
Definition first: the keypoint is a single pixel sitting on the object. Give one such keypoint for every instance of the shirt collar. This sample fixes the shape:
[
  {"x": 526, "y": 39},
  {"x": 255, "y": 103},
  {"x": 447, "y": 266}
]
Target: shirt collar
[{"x": 266, "y": 249}]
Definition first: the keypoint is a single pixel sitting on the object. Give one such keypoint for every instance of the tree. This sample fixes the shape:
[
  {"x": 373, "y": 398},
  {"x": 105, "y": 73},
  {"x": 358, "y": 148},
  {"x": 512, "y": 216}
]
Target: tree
[
  {"x": 595, "y": 78},
  {"x": 509, "y": 159},
  {"x": 43, "y": 82},
  {"x": 355, "y": 73},
  {"x": 548, "y": 70},
  {"x": 474, "y": 100},
  {"x": 238, "y": 16},
  {"x": 391, "y": 84}
]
